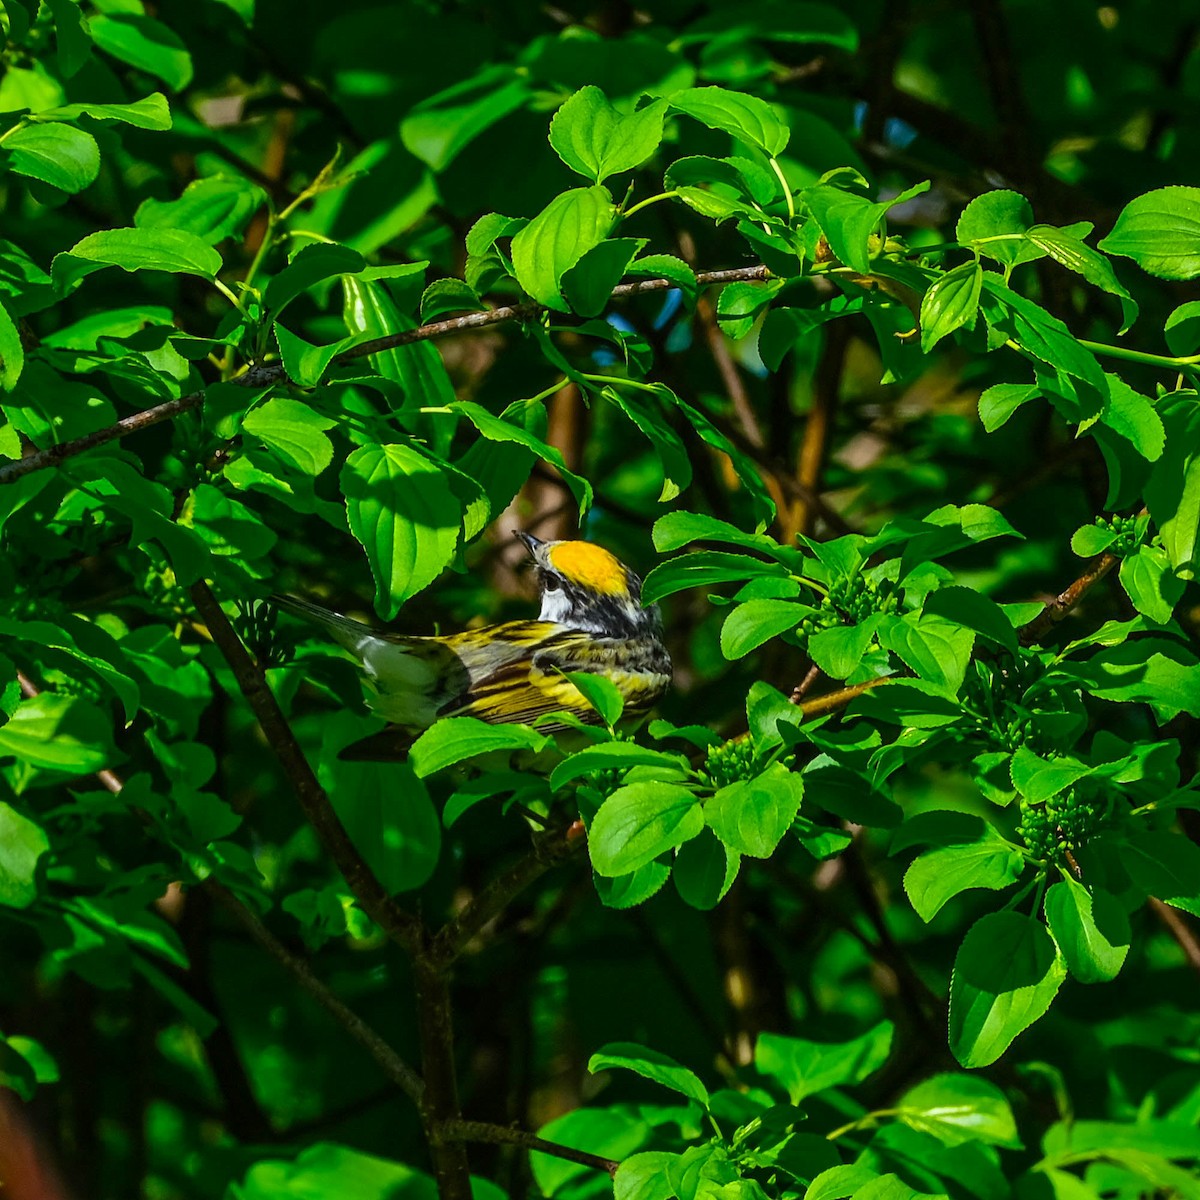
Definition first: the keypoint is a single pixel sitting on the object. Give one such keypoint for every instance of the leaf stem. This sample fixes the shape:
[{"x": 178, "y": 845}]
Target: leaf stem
[
  {"x": 787, "y": 191},
  {"x": 646, "y": 203}
]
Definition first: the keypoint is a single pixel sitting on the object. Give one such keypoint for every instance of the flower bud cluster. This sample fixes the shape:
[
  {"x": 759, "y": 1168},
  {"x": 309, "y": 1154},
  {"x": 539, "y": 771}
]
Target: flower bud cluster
[
  {"x": 1063, "y": 823},
  {"x": 1130, "y": 531},
  {"x": 731, "y": 761},
  {"x": 850, "y": 601}
]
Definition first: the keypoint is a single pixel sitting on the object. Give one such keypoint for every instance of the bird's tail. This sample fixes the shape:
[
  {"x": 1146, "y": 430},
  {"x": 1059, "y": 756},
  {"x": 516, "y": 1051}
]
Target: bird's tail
[{"x": 347, "y": 632}]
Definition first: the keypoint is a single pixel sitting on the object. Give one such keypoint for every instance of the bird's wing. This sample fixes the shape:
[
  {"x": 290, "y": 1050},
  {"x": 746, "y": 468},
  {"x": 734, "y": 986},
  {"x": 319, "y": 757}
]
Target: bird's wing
[{"x": 528, "y": 686}]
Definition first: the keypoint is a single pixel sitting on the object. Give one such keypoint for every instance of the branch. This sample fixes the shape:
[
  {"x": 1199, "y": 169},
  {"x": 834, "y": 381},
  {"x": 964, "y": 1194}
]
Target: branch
[
  {"x": 548, "y": 849},
  {"x": 503, "y": 1135},
  {"x": 832, "y": 702},
  {"x": 1180, "y": 930},
  {"x": 1055, "y": 610},
  {"x": 399, "y": 925},
  {"x": 263, "y": 376},
  {"x": 394, "y": 1067}
]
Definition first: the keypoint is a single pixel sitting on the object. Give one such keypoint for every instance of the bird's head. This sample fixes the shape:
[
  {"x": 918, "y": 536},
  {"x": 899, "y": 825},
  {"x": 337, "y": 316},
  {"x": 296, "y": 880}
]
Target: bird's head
[{"x": 586, "y": 587}]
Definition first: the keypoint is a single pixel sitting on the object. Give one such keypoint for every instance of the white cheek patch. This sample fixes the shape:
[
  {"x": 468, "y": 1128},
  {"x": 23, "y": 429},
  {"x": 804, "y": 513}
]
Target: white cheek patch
[{"x": 555, "y": 606}]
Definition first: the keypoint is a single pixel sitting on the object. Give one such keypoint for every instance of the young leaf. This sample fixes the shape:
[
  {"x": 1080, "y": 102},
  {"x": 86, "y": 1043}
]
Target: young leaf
[
  {"x": 750, "y": 816},
  {"x": 311, "y": 266},
  {"x": 557, "y": 238},
  {"x": 60, "y": 155},
  {"x": 211, "y": 209},
  {"x": 950, "y": 303},
  {"x": 747, "y": 118},
  {"x": 454, "y": 739},
  {"x": 405, "y": 515},
  {"x": 1152, "y": 587},
  {"x": 751, "y": 624},
  {"x": 805, "y": 1068},
  {"x": 597, "y": 141},
  {"x": 636, "y": 823},
  {"x": 957, "y": 1109},
  {"x": 144, "y": 43},
  {"x": 1006, "y": 973},
  {"x": 652, "y": 1065},
  {"x": 294, "y": 431},
  {"x": 22, "y": 843},
  {"x": 940, "y": 874},
  {"x": 1160, "y": 231},
  {"x": 704, "y": 871},
  {"x": 152, "y": 112},
  {"x": 1091, "y": 929}
]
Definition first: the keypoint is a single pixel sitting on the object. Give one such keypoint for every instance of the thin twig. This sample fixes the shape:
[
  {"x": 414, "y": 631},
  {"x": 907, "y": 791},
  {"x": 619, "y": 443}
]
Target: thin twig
[
  {"x": 1057, "y": 608},
  {"x": 402, "y": 927},
  {"x": 396, "y": 1069},
  {"x": 503, "y": 1135},
  {"x": 264, "y": 376},
  {"x": 548, "y": 849},
  {"x": 832, "y": 702}
]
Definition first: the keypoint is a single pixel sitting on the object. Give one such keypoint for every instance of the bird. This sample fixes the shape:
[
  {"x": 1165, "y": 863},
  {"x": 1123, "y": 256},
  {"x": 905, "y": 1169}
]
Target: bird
[{"x": 591, "y": 620}]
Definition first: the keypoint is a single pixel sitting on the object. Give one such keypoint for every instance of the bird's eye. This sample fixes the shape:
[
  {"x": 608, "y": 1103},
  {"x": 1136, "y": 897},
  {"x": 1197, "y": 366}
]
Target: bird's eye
[{"x": 551, "y": 583}]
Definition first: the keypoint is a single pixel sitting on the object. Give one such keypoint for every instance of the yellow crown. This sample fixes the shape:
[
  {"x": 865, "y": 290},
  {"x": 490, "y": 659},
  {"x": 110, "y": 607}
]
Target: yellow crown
[{"x": 590, "y": 566}]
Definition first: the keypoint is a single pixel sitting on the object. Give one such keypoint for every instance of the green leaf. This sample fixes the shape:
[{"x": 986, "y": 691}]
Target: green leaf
[
  {"x": 1039, "y": 779},
  {"x": 838, "y": 1182},
  {"x": 645, "y": 412},
  {"x": 995, "y": 224},
  {"x": 152, "y": 112},
  {"x": 304, "y": 363},
  {"x": 746, "y": 118},
  {"x": 805, "y": 1068},
  {"x": 1001, "y": 400},
  {"x": 741, "y": 304},
  {"x": 1006, "y": 973},
  {"x": 399, "y": 841},
  {"x": 957, "y": 1109},
  {"x": 1156, "y": 671},
  {"x": 211, "y": 209},
  {"x": 588, "y": 285},
  {"x": 973, "y": 611},
  {"x": 1073, "y": 254},
  {"x": 751, "y": 624},
  {"x": 74, "y": 41},
  {"x": 61, "y": 155},
  {"x": 498, "y": 429},
  {"x": 595, "y": 140},
  {"x": 751, "y": 816},
  {"x": 58, "y": 733},
  {"x": 704, "y": 871},
  {"x": 403, "y": 512},
  {"x": 12, "y": 361},
  {"x": 144, "y": 43},
  {"x": 678, "y": 529},
  {"x": 1182, "y": 329},
  {"x": 170, "y": 250},
  {"x": 938, "y": 650},
  {"x": 1091, "y": 929},
  {"x": 1173, "y": 491},
  {"x": 1163, "y": 864},
  {"x": 839, "y": 651},
  {"x": 667, "y": 266},
  {"x": 439, "y": 128},
  {"x": 1134, "y": 417},
  {"x": 1152, "y": 587},
  {"x": 612, "y": 756},
  {"x": 1089, "y": 540},
  {"x": 940, "y": 874},
  {"x": 847, "y": 221},
  {"x": 1160, "y": 231},
  {"x": 311, "y": 265},
  {"x": 610, "y": 1132},
  {"x": 638, "y": 822},
  {"x": 333, "y": 1172},
  {"x": 652, "y": 1065},
  {"x": 628, "y": 891},
  {"x": 22, "y": 843},
  {"x": 950, "y": 303},
  {"x": 602, "y": 694},
  {"x": 454, "y": 739},
  {"x": 557, "y": 238},
  {"x": 702, "y": 569},
  {"x": 448, "y": 295},
  {"x": 643, "y": 1176},
  {"x": 294, "y": 431}
]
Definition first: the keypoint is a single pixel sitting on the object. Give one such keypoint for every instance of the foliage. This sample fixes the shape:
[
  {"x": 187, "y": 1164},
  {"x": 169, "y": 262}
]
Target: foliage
[{"x": 327, "y": 302}]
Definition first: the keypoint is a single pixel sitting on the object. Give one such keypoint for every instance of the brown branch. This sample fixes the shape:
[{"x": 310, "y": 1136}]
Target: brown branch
[
  {"x": 548, "y": 849},
  {"x": 1180, "y": 930},
  {"x": 832, "y": 702},
  {"x": 263, "y": 376},
  {"x": 400, "y": 926},
  {"x": 818, "y": 428},
  {"x": 503, "y": 1135},
  {"x": 393, "y": 1066},
  {"x": 1056, "y": 609},
  {"x": 439, "y": 1102}
]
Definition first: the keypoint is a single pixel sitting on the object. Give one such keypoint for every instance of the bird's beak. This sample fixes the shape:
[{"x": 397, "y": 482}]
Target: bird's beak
[{"x": 532, "y": 544}]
